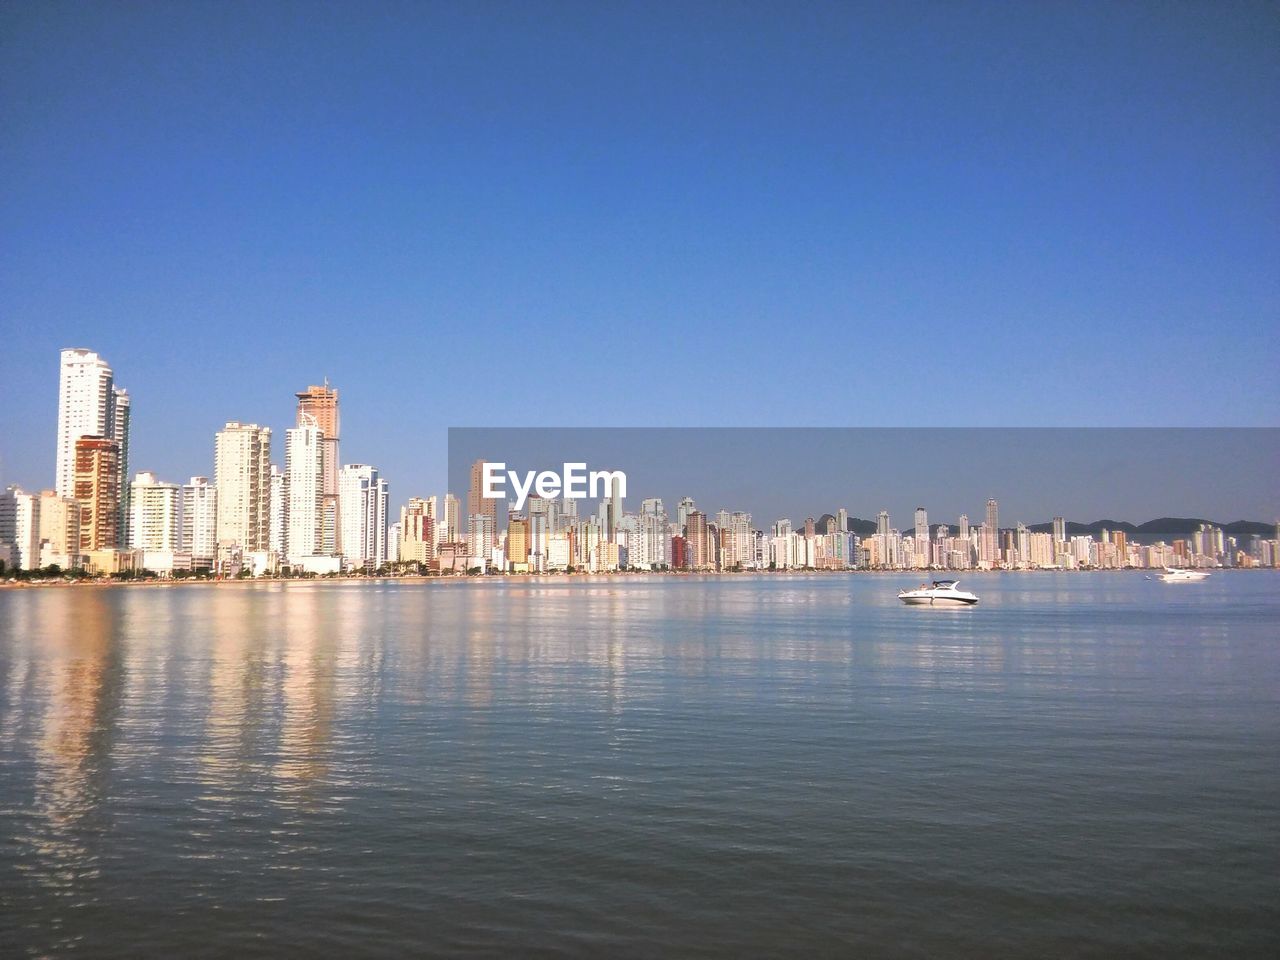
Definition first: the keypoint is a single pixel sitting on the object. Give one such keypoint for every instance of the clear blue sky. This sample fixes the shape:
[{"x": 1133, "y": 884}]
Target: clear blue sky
[{"x": 637, "y": 214}]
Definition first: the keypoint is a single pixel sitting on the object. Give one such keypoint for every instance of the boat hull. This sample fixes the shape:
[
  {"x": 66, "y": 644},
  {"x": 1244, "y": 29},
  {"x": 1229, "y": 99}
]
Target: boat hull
[{"x": 939, "y": 601}]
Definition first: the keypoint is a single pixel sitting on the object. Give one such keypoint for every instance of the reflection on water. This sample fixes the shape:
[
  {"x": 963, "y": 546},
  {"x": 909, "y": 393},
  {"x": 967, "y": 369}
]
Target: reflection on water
[
  {"x": 689, "y": 765},
  {"x": 74, "y": 748}
]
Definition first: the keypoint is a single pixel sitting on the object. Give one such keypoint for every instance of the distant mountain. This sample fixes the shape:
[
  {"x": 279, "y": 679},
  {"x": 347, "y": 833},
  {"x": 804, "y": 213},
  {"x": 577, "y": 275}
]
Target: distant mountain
[{"x": 863, "y": 528}]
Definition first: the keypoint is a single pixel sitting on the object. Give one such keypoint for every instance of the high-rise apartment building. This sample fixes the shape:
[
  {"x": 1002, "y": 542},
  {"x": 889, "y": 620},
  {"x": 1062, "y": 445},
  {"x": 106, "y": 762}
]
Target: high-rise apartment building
[
  {"x": 59, "y": 530},
  {"x": 701, "y": 556},
  {"x": 20, "y": 527},
  {"x": 734, "y": 530},
  {"x": 95, "y": 484},
  {"x": 418, "y": 538},
  {"x": 990, "y": 545},
  {"x": 518, "y": 544},
  {"x": 199, "y": 519},
  {"x": 922, "y": 537},
  {"x": 86, "y": 408},
  {"x": 8, "y": 508},
  {"x": 477, "y": 503},
  {"x": 121, "y": 415},
  {"x": 242, "y": 475},
  {"x": 362, "y": 505},
  {"x": 91, "y": 405},
  {"x": 452, "y": 519},
  {"x": 157, "y": 522},
  {"x": 683, "y": 509},
  {"x": 278, "y": 534},
  {"x": 645, "y": 536},
  {"x": 318, "y": 407},
  {"x": 482, "y": 534},
  {"x": 614, "y": 512},
  {"x": 304, "y": 503}
]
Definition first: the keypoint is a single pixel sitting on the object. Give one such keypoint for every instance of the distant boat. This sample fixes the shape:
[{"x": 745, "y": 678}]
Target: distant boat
[
  {"x": 1178, "y": 575},
  {"x": 943, "y": 593}
]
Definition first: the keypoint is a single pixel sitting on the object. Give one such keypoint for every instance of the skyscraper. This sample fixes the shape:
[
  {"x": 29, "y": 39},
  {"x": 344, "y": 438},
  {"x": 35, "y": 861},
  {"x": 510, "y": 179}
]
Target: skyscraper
[
  {"x": 477, "y": 503},
  {"x": 417, "y": 542},
  {"x": 20, "y": 527},
  {"x": 922, "y": 537},
  {"x": 59, "y": 529},
  {"x": 200, "y": 518},
  {"x": 991, "y": 534},
  {"x": 518, "y": 544},
  {"x": 320, "y": 403},
  {"x": 318, "y": 407},
  {"x": 156, "y": 522},
  {"x": 700, "y": 556},
  {"x": 481, "y": 536},
  {"x": 86, "y": 408},
  {"x": 95, "y": 486},
  {"x": 434, "y": 507},
  {"x": 121, "y": 414},
  {"x": 277, "y": 534},
  {"x": 452, "y": 520},
  {"x": 242, "y": 474},
  {"x": 8, "y": 521},
  {"x": 304, "y": 503},
  {"x": 683, "y": 509},
  {"x": 615, "y": 506},
  {"x": 362, "y": 504}
]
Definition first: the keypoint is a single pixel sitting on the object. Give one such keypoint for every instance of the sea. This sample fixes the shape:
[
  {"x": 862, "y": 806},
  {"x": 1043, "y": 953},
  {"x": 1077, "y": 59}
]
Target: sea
[{"x": 1082, "y": 765}]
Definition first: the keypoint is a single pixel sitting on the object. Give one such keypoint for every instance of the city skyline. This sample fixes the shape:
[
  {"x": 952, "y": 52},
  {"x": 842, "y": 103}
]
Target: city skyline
[
  {"x": 90, "y": 378},
  {"x": 318, "y": 516}
]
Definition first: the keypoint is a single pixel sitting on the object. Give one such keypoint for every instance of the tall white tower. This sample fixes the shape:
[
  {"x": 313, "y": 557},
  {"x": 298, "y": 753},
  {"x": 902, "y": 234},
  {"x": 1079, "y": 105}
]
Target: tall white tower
[
  {"x": 922, "y": 537},
  {"x": 200, "y": 518},
  {"x": 304, "y": 491},
  {"x": 121, "y": 414},
  {"x": 991, "y": 533},
  {"x": 157, "y": 514},
  {"x": 242, "y": 474},
  {"x": 278, "y": 538},
  {"x": 86, "y": 408},
  {"x": 362, "y": 505}
]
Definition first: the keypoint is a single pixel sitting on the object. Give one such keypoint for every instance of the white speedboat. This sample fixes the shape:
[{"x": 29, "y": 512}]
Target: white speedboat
[
  {"x": 943, "y": 593},
  {"x": 1176, "y": 575}
]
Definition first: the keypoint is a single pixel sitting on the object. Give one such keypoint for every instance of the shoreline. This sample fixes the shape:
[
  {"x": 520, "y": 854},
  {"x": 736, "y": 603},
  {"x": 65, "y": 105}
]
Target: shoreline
[{"x": 618, "y": 575}]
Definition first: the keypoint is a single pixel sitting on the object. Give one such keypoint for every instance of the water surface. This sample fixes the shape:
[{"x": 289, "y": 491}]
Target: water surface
[{"x": 1083, "y": 765}]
